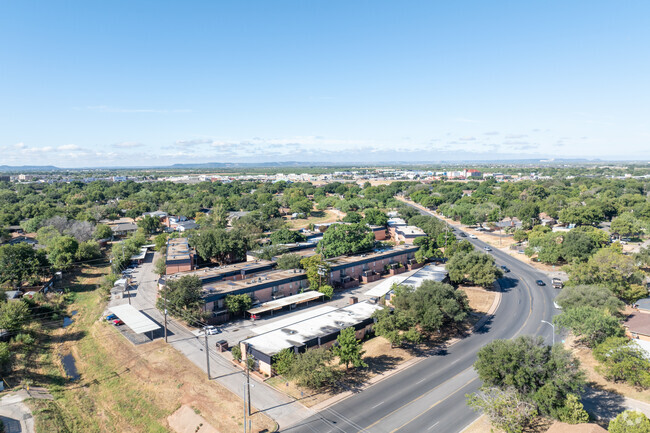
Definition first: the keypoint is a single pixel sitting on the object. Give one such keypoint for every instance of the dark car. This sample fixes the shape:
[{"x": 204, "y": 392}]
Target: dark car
[
  {"x": 462, "y": 235},
  {"x": 505, "y": 269},
  {"x": 540, "y": 283},
  {"x": 111, "y": 317}
]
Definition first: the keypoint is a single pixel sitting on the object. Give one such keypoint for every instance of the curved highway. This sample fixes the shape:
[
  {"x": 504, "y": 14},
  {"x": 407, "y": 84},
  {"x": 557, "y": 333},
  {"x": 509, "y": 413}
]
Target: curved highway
[{"x": 429, "y": 397}]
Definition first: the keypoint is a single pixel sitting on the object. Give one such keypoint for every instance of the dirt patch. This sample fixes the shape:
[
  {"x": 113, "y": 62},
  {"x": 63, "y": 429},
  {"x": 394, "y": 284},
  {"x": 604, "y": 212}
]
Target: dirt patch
[
  {"x": 590, "y": 366},
  {"x": 318, "y": 217},
  {"x": 187, "y": 420},
  {"x": 480, "y": 300}
]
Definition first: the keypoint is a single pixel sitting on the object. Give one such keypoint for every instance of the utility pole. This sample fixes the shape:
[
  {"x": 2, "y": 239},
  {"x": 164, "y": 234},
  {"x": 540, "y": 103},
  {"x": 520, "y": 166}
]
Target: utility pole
[
  {"x": 244, "y": 409},
  {"x": 165, "y": 319},
  {"x": 248, "y": 379},
  {"x": 207, "y": 352}
]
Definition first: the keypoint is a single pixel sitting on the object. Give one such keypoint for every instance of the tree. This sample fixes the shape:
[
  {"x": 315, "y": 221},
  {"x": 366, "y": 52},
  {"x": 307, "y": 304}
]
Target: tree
[
  {"x": 578, "y": 245},
  {"x": 349, "y": 349},
  {"x": 87, "y": 250},
  {"x": 237, "y": 304},
  {"x": 283, "y": 361},
  {"x": 150, "y": 224},
  {"x": 506, "y": 409},
  {"x": 573, "y": 411},
  {"x": 592, "y": 296},
  {"x": 303, "y": 207},
  {"x": 539, "y": 373},
  {"x": 223, "y": 246},
  {"x": 476, "y": 267},
  {"x": 591, "y": 325},
  {"x": 160, "y": 241},
  {"x": 609, "y": 268},
  {"x": 47, "y": 234},
  {"x": 342, "y": 239},
  {"x": 160, "y": 267},
  {"x": 286, "y": 236},
  {"x": 352, "y": 217},
  {"x": 623, "y": 360},
  {"x": 462, "y": 247},
  {"x": 5, "y": 357},
  {"x": 626, "y": 224},
  {"x": 313, "y": 369},
  {"x": 13, "y": 315},
  {"x": 102, "y": 231},
  {"x": 62, "y": 251},
  {"x": 183, "y": 298},
  {"x": 396, "y": 326},
  {"x": 267, "y": 252},
  {"x": 375, "y": 217},
  {"x": 316, "y": 269},
  {"x": 289, "y": 261},
  {"x": 432, "y": 306},
  {"x": 327, "y": 290},
  {"x": 236, "y": 352},
  {"x": 21, "y": 262},
  {"x": 630, "y": 421}
]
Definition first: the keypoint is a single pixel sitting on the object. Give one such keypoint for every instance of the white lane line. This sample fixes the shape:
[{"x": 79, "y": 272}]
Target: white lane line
[
  {"x": 377, "y": 405},
  {"x": 433, "y": 426},
  {"x": 420, "y": 381}
]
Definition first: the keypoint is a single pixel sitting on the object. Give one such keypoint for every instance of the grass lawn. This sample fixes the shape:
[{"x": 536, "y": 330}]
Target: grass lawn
[{"x": 123, "y": 388}]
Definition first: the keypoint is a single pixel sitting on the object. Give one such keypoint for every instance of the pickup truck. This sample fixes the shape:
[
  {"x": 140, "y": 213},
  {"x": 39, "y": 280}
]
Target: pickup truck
[{"x": 557, "y": 283}]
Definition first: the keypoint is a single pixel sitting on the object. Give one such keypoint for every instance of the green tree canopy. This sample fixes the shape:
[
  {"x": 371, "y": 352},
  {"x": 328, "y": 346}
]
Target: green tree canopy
[
  {"x": 342, "y": 239},
  {"x": 630, "y": 421},
  {"x": 591, "y": 296},
  {"x": 590, "y": 325},
  {"x": 20, "y": 263},
  {"x": 286, "y": 236},
  {"x": 183, "y": 297},
  {"x": 476, "y": 267},
  {"x": 375, "y": 217},
  {"x": 349, "y": 349},
  {"x": 102, "y": 231},
  {"x": 237, "y": 304},
  {"x": 289, "y": 261}
]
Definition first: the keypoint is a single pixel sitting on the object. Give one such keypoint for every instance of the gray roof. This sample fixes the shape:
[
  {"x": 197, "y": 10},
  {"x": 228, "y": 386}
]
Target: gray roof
[{"x": 644, "y": 304}]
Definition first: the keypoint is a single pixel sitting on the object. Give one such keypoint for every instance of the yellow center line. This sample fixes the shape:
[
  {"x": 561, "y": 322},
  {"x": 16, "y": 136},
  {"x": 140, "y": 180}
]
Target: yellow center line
[
  {"x": 414, "y": 400},
  {"x": 434, "y": 405}
]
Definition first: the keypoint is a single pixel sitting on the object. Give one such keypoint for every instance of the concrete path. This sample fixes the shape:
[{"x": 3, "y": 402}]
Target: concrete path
[
  {"x": 15, "y": 414},
  {"x": 607, "y": 405}
]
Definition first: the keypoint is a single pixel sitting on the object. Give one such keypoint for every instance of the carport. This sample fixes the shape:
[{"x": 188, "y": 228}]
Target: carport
[
  {"x": 134, "y": 319},
  {"x": 290, "y": 301}
]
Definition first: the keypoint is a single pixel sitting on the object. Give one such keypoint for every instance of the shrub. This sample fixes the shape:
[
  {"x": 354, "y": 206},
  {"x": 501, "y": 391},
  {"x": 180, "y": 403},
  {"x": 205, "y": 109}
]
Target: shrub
[
  {"x": 236, "y": 352},
  {"x": 629, "y": 421}
]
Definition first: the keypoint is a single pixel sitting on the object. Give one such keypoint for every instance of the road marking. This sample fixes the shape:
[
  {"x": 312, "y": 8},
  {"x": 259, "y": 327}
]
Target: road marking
[
  {"x": 377, "y": 405},
  {"x": 420, "y": 381},
  {"x": 433, "y": 426},
  {"x": 417, "y": 398},
  {"x": 435, "y": 404}
]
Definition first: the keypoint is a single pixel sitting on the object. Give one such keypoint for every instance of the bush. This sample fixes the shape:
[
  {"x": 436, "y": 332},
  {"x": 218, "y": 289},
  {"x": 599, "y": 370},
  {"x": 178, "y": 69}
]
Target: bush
[
  {"x": 236, "y": 352},
  {"x": 629, "y": 421},
  {"x": 573, "y": 411},
  {"x": 505, "y": 408},
  {"x": 5, "y": 357},
  {"x": 283, "y": 361}
]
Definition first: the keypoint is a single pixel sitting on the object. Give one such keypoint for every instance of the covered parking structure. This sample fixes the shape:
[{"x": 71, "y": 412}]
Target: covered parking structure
[
  {"x": 134, "y": 319},
  {"x": 289, "y": 301}
]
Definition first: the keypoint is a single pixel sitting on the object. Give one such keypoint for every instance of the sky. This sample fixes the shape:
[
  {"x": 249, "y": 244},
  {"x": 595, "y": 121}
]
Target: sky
[{"x": 135, "y": 83}]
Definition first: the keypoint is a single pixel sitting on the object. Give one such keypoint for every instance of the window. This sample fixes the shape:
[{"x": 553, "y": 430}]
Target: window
[{"x": 274, "y": 289}]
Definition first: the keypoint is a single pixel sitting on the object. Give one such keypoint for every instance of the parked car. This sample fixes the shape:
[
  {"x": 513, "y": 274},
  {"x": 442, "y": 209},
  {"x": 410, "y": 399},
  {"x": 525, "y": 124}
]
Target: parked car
[
  {"x": 118, "y": 322},
  {"x": 505, "y": 269},
  {"x": 473, "y": 237},
  {"x": 487, "y": 248},
  {"x": 540, "y": 283},
  {"x": 111, "y": 317}
]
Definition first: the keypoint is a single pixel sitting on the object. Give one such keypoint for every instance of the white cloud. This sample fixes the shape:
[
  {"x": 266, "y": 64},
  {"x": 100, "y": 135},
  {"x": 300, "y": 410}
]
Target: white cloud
[
  {"x": 68, "y": 147},
  {"x": 128, "y": 144}
]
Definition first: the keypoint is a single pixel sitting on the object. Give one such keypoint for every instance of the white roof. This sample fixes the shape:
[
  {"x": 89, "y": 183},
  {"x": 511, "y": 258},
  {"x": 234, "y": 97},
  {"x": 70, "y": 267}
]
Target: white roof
[
  {"x": 298, "y": 333},
  {"x": 644, "y": 345},
  {"x": 120, "y": 282},
  {"x": 289, "y": 300},
  {"x": 428, "y": 272},
  {"x": 294, "y": 318},
  {"x": 386, "y": 285},
  {"x": 134, "y": 319}
]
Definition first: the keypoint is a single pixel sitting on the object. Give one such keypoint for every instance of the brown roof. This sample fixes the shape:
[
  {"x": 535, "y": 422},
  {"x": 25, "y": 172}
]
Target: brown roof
[
  {"x": 560, "y": 427},
  {"x": 638, "y": 323}
]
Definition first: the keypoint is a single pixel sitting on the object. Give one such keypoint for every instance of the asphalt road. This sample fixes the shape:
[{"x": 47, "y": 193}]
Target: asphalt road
[{"x": 430, "y": 396}]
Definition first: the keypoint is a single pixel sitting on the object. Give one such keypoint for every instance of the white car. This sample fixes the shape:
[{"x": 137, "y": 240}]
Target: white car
[
  {"x": 210, "y": 330},
  {"x": 473, "y": 237}
]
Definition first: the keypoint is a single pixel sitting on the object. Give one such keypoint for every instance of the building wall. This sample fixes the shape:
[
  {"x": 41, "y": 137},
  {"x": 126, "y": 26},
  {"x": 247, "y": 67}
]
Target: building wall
[{"x": 178, "y": 267}]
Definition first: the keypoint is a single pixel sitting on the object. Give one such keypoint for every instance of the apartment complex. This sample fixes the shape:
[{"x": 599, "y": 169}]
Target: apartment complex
[{"x": 180, "y": 256}]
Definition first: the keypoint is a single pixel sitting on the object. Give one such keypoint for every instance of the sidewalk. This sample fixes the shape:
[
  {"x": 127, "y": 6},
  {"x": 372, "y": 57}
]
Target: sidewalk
[
  {"x": 607, "y": 405},
  {"x": 15, "y": 414}
]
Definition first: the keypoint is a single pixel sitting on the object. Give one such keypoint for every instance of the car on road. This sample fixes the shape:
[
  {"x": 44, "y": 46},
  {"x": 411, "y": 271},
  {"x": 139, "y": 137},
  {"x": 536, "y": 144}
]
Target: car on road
[
  {"x": 557, "y": 283},
  {"x": 210, "y": 330},
  {"x": 463, "y": 235},
  {"x": 540, "y": 283},
  {"x": 487, "y": 248},
  {"x": 111, "y": 317},
  {"x": 118, "y": 322},
  {"x": 505, "y": 269},
  {"x": 473, "y": 237}
]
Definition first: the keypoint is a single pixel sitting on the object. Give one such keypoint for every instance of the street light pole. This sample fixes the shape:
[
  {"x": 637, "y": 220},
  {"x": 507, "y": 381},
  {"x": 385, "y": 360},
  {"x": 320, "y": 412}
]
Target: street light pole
[
  {"x": 207, "y": 352},
  {"x": 552, "y": 326}
]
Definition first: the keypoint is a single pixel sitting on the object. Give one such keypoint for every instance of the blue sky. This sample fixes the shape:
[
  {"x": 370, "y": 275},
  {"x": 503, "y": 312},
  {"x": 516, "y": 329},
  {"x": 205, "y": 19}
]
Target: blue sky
[{"x": 158, "y": 82}]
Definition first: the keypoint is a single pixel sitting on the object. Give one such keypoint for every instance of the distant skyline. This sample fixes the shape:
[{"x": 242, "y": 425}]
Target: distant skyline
[{"x": 150, "y": 83}]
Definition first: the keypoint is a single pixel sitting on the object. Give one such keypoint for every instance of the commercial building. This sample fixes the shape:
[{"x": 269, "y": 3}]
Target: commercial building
[
  {"x": 318, "y": 328},
  {"x": 180, "y": 256}
]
